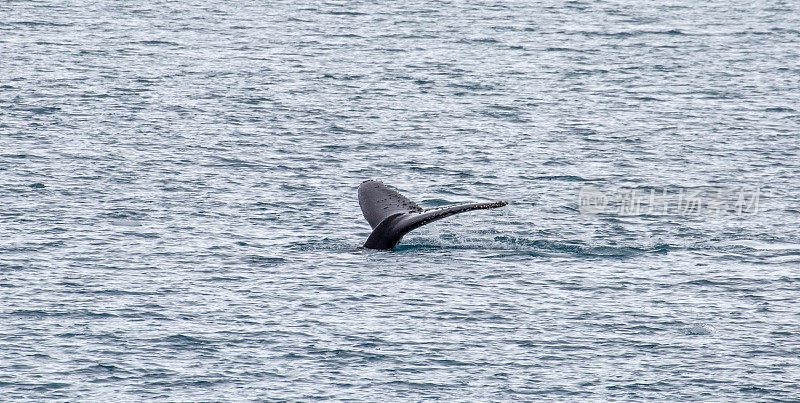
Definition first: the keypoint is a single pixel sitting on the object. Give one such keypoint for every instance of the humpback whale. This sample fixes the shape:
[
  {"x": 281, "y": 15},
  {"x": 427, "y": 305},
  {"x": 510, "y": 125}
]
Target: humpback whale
[{"x": 392, "y": 215}]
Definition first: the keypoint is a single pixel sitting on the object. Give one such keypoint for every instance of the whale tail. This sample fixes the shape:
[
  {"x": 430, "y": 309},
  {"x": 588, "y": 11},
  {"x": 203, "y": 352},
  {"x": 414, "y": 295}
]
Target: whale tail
[{"x": 392, "y": 215}]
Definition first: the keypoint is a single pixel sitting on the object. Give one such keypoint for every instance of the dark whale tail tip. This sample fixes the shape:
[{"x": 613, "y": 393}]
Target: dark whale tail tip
[{"x": 392, "y": 215}]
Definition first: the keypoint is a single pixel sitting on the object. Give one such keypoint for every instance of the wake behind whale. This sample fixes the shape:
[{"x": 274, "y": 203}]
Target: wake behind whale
[{"x": 392, "y": 215}]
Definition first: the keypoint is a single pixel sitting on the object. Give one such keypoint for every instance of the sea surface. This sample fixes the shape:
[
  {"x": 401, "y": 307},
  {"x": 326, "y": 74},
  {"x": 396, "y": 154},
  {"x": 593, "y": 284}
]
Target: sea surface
[{"x": 179, "y": 219}]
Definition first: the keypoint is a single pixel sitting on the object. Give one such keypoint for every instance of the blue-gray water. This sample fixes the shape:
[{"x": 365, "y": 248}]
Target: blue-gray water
[{"x": 178, "y": 211}]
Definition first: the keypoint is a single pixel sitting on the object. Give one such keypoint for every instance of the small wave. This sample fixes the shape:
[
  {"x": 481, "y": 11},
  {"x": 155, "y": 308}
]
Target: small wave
[
  {"x": 42, "y": 24},
  {"x": 125, "y": 223},
  {"x": 699, "y": 329},
  {"x": 632, "y": 34},
  {"x": 183, "y": 339},
  {"x": 49, "y": 386},
  {"x": 37, "y": 313},
  {"x": 272, "y": 260},
  {"x": 566, "y": 178},
  {"x": 40, "y": 110},
  {"x": 479, "y": 40},
  {"x": 537, "y": 247},
  {"x": 764, "y": 246},
  {"x": 327, "y": 244},
  {"x": 348, "y": 13},
  {"x": 184, "y": 342},
  {"x": 418, "y": 385},
  {"x": 158, "y": 42},
  {"x": 102, "y": 369},
  {"x": 779, "y": 109}
]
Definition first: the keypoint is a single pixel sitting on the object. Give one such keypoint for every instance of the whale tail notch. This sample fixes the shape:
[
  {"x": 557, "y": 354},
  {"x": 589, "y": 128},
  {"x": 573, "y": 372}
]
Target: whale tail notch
[{"x": 392, "y": 215}]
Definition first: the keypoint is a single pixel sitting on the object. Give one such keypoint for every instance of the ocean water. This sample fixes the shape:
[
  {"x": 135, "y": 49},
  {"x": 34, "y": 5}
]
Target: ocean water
[{"x": 179, "y": 220}]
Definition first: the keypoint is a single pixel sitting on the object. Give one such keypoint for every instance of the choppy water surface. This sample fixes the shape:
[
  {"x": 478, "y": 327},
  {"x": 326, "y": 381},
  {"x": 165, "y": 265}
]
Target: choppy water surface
[{"x": 178, "y": 217}]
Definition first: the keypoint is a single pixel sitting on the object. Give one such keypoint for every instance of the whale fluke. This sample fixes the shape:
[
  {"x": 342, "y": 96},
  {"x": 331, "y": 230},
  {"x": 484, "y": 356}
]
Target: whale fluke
[{"x": 392, "y": 215}]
